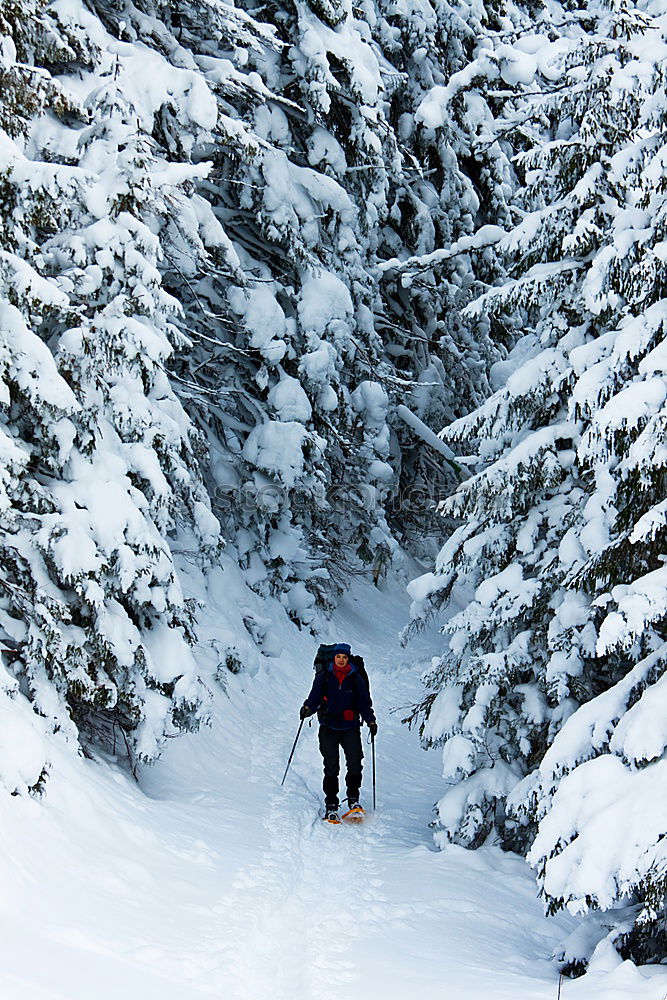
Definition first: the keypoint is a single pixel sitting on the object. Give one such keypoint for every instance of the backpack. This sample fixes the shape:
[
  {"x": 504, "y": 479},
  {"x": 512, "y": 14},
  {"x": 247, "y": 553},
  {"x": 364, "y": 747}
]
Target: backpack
[{"x": 324, "y": 656}]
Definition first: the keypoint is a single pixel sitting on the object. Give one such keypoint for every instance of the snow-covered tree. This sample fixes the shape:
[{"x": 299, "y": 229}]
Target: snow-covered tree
[
  {"x": 452, "y": 182},
  {"x": 547, "y": 700},
  {"x": 101, "y": 459}
]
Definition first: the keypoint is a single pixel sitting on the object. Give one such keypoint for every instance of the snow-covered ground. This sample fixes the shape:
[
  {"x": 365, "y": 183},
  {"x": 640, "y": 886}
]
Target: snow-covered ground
[{"x": 209, "y": 879}]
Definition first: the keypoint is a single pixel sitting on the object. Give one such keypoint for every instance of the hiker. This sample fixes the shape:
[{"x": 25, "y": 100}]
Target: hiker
[{"x": 340, "y": 695}]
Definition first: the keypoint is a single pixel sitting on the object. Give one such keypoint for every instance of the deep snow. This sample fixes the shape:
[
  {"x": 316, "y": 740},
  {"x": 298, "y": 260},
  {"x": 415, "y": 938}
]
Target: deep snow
[{"x": 209, "y": 879}]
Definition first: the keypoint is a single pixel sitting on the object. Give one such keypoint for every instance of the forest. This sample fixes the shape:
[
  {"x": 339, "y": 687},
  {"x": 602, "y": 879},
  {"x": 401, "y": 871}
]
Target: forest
[{"x": 301, "y": 299}]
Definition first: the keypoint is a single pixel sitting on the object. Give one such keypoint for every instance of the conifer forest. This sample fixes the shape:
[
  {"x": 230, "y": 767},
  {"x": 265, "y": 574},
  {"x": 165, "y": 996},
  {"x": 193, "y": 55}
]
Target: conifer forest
[{"x": 333, "y": 321}]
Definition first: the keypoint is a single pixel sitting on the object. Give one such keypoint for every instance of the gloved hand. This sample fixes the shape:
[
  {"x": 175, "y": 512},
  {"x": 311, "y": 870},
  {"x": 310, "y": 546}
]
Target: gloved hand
[
  {"x": 305, "y": 711},
  {"x": 373, "y": 727}
]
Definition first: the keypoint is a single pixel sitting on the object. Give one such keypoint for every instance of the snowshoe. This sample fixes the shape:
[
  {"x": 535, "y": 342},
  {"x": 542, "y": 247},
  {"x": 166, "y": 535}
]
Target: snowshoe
[
  {"x": 355, "y": 814},
  {"x": 331, "y": 816}
]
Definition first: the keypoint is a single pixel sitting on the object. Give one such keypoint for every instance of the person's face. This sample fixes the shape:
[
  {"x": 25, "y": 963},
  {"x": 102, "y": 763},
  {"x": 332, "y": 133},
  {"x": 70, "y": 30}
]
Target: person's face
[{"x": 340, "y": 659}]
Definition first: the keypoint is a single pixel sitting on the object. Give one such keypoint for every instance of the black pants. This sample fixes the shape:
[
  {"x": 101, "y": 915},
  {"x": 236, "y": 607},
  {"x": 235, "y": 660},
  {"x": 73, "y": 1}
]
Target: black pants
[{"x": 331, "y": 740}]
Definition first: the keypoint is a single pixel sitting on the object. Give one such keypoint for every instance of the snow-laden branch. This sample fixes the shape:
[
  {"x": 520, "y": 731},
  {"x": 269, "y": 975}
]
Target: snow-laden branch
[
  {"x": 487, "y": 236},
  {"x": 428, "y": 436}
]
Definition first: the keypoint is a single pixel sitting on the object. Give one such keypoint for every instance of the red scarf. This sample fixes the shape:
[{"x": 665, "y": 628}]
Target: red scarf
[{"x": 341, "y": 672}]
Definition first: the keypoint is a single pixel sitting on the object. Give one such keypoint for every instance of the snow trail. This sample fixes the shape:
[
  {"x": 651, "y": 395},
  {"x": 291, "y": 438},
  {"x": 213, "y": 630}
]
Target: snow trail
[
  {"x": 315, "y": 909},
  {"x": 213, "y": 881}
]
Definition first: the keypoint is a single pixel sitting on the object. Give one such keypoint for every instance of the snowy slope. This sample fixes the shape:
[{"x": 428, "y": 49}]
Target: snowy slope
[{"x": 212, "y": 880}]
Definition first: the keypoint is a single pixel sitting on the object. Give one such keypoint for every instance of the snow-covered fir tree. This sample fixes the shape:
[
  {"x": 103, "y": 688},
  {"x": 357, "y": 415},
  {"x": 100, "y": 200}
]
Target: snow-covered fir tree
[
  {"x": 548, "y": 699},
  {"x": 101, "y": 462},
  {"x": 453, "y": 182}
]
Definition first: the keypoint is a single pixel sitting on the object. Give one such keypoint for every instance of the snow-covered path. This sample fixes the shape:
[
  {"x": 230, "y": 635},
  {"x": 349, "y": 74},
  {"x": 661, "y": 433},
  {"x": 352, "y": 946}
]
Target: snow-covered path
[
  {"x": 212, "y": 880},
  {"x": 319, "y": 908}
]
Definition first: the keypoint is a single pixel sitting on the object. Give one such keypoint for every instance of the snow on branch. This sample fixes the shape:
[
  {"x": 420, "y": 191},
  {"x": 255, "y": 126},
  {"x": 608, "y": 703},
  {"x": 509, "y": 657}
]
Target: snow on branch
[
  {"x": 427, "y": 435},
  {"x": 487, "y": 236}
]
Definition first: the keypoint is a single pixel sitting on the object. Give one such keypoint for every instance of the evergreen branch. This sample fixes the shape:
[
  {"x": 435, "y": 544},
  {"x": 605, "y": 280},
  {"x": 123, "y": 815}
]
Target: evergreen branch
[
  {"x": 246, "y": 352},
  {"x": 484, "y": 238}
]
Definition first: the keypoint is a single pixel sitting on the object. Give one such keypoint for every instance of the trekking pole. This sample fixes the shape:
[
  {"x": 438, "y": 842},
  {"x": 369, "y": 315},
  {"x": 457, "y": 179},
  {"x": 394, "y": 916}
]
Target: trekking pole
[
  {"x": 293, "y": 749},
  {"x": 373, "y": 755}
]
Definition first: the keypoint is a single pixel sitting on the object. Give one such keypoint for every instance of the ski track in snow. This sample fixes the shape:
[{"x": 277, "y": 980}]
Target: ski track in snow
[
  {"x": 311, "y": 891},
  {"x": 272, "y": 944},
  {"x": 213, "y": 880}
]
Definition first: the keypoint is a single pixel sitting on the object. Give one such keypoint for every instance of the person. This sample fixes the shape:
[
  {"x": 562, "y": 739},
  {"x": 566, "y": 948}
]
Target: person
[{"x": 340, "y": 695}]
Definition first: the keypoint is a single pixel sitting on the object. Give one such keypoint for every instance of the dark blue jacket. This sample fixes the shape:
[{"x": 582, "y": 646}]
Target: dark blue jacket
[{"x": 335, "y": 701}]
